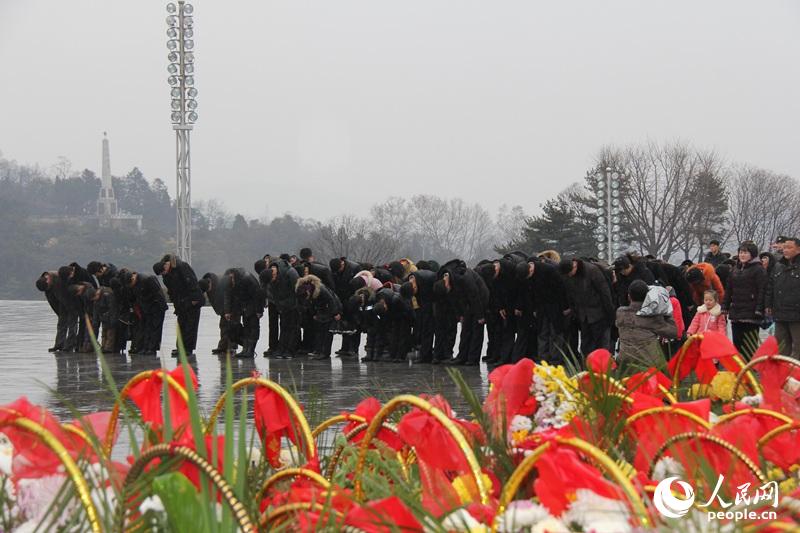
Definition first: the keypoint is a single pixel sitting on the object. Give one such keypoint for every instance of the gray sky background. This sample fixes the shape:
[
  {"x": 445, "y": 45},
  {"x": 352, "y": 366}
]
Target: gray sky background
[{"x": 317, "y": 108}]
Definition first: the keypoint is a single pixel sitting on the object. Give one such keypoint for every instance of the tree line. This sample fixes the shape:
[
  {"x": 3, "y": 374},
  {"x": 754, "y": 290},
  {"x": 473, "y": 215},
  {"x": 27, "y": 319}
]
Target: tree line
[{"x": 674, "y": 198}]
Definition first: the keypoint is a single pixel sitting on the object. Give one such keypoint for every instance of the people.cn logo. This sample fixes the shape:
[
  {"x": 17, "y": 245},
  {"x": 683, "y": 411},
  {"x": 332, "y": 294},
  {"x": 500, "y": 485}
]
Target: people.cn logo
[{"x": 669, "y": 505}]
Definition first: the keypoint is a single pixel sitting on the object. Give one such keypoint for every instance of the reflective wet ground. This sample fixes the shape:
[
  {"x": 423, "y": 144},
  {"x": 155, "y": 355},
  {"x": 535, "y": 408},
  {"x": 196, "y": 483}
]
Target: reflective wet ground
[{"x": 63, "y": 382}]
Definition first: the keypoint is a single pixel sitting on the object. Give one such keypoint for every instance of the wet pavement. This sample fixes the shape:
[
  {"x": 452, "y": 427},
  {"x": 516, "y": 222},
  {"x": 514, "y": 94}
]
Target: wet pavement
[{"x": 67, "y": 382}]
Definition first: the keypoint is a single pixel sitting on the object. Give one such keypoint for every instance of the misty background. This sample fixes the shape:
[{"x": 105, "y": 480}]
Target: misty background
[{"x": 316, "y": 115}]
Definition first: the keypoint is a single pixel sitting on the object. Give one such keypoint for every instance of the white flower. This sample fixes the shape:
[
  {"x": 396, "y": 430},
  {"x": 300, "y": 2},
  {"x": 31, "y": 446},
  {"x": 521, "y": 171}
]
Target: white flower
[
  {"x": 151, "y": 503},
  {"x": 550, "y": 525},
  {"x": 713, "y": 417},
  {"x": 521, "y": 514},
  {"x": 290, "y": 456},
  {"x": 792, "y": 386},
  {"x": 461, "y": 521},
  {"x": 254, "y": 456},
  {"x": 666, "y": 467},
  {"x": 34, "y": 496},
  {"x": 753, "y": 401},
  {"x": 520, "y": 423},
  {"x": 595, "y": 513}
]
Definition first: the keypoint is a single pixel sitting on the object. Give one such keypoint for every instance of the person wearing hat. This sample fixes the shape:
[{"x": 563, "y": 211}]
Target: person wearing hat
[
  {"x": 744, "y": 299},
  {"x": 715, "y": 255},
  {"x": 783, "y": 298},
  {"x": 186, "y": 297}
]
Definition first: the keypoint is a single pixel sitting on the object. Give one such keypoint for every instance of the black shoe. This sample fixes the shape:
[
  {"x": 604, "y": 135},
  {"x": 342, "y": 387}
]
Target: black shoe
[
  {"x": 217, "y": 351},
  {"x": 54, "y": 349},
  {"x": 319, "y": 356},
  {"x": 174, "y": 352}
]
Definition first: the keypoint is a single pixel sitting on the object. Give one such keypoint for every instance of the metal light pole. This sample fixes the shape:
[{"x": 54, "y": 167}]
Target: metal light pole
[
  {"x": 180, "y": 31},
  {"x": 608, "y": 212}
]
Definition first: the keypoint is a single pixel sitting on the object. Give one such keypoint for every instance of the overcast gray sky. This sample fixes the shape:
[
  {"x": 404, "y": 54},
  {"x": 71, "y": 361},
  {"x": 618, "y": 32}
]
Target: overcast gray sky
[{"x": 317, "y": 108}]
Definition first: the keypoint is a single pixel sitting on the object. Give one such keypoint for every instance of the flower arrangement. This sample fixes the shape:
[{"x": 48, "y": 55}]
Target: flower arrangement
[{"x": 549, "y": 449}]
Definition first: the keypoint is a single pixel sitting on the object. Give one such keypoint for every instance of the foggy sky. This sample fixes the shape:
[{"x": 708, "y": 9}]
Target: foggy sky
[{"x": 317, "y": 108}]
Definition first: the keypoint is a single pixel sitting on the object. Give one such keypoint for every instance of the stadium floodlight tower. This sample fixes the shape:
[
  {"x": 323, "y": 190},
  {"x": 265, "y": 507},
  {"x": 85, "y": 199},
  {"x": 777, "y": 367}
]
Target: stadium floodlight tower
[
  {"x": 608, "y": 212},
  {"x": 180, "y": 30}
]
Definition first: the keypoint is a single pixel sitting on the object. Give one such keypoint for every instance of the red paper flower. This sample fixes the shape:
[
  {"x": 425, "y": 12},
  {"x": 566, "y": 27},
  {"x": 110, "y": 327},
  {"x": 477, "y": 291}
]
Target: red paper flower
[
  {"x": 389, "y": 515},
  {"x": 367, "y": 409},
  {"x": 147, "y": 396},
  {"x": 510, "y": 394}
]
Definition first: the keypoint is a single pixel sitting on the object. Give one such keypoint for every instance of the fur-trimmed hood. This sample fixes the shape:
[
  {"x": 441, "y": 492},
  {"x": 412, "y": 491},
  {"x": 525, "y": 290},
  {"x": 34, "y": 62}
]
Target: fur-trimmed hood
[
  {"x": 714, "y": 311},
  {"x": 312, "y": 280}
]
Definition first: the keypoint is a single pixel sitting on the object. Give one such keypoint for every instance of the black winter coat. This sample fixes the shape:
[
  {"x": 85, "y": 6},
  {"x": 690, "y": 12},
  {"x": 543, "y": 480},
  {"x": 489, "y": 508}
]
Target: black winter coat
[
  {"x": 281, "y": 291},
  {"x": 341, "y": 280},
  {"x": 641, "y": 272},
  {"x": 469, "y": 293},
  {"x": 589, "y": 294},
  {"x": 181, "y": 283},
  {"x": 398, "y": 307},
  {"x": 323, "y": 302},
  {"x": 149, "y": 295},
  {"x": 783, "y": 294},
  {"x": 106, "y": 310},
  {"x": 544, "y": 293},
  {"x": 744, "y": 293},
  {"x": 216, "y": 292},
  {"x": 244, "y": 294},
  {"x": 425, "y": 280}
]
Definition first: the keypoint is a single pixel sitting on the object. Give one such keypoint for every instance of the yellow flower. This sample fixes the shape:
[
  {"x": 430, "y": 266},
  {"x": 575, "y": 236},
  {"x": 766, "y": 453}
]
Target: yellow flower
[
  {"x": 519, "y": 436},
  {"x": 722, "y": 386},
  {"x": 788, "y": 486},
  {"x": 775, "y": 474},
  {"x": 699, "y": 390}
]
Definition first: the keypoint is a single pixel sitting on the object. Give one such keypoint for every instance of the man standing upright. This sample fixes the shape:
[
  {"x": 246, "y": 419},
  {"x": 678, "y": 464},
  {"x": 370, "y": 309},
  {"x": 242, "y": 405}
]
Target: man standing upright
[
  {"x": 783, "y": 298},
  {"x": 715, "y": 256},
  {"x": 186, "y": 296}
]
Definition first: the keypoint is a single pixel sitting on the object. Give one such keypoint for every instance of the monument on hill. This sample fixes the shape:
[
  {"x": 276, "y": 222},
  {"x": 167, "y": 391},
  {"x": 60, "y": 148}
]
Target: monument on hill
[{"x": 108, "y": 214}]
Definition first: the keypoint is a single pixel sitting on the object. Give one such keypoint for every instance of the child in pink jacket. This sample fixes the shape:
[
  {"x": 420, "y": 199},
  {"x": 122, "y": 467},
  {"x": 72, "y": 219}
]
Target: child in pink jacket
[{"x": 709, "y": 316}]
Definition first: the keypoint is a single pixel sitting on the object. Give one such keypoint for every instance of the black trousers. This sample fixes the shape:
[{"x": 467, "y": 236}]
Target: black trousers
[
  {"x": 446, "y": 324},
  {"x": 188, "y": 324},
  {"x": 425, "y": 326},
  {"x": 594, "y": 335},
  {"x": 152, "y": 325},
  {"x": 251, "y": 328},
  {"x": 525, "y": 343},
  {"x": 550, "y": 340},
  {"x": 400, "y": 338},
  {"x": 323, "y": 338},
  {"x": 274, "y": 326},
  {"x": 745, "y": 338},
  {"x": 225, "y": 343},
  {"x": 471, "y": 343},
  {"x": 289, "y": 331}
]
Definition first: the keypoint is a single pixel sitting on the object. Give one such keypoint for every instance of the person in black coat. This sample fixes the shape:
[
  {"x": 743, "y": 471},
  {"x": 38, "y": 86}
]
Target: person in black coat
[
  {"x": 106, "y": 314},
  {"x": 783, "y": 298},
  {"x": 396, "y": 316},
  {"x": 74, "y": 274},
  {"x": 273, "y": 316},
  {"x": 744, "y": 299},
  {"x": 279, "y": 281},
  {"x": 186, "y": 297},
  {"x": 343, "y": 271},
  {"x": 102, "y": 272},
  {"x": 324, "y": 308},
  {"x": 421, "y": 286},
  {"x": 627, "y": 269},
  {"x": 541, "y": 300},
  {"x": 244, "y": 297},
  {"x": 468, "y": 292},
  {"x": 590, "y": 302},
  {"x": 214, "y": 288},
  {"x": 501, "y": 323},
  {"x": 152, "y": 305},
  {"x": 50, "y": 284}
]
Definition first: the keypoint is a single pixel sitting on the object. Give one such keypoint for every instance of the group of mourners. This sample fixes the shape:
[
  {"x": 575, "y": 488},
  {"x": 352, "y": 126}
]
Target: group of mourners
[{"x": 541, "y": 307}]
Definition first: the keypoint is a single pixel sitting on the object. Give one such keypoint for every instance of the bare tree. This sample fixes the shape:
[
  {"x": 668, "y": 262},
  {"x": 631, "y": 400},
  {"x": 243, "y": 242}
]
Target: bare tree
[
  {"x": 763, "y": 205},
  {"x": 355, "y": 238},
  {"x": 667, "y": 195}
]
